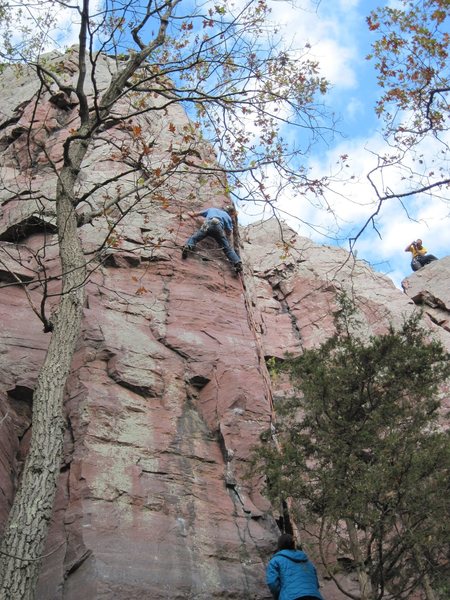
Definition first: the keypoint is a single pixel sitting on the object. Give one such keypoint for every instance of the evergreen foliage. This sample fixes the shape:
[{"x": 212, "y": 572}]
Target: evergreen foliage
[{"x": 362, "y": 454}]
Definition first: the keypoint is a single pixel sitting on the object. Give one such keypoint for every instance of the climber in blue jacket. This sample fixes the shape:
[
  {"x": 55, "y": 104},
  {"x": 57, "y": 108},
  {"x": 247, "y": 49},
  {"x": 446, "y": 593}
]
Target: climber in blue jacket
[
  {"x": 217, "y": 224},
  {"x": 290, "y": 575}
]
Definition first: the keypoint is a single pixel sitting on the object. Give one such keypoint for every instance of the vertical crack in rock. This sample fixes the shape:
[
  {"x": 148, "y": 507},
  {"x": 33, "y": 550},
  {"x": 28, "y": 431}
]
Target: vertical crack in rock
[
  {"x": 259, "y": 350},
  {"x": 245, "y": 532},
  {"x": 192, "y": 435},
  {"x": 286, "y": 308},
  {"x": 262, "y": 364}
]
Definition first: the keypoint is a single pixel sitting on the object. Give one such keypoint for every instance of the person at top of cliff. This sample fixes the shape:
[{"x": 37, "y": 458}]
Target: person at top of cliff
[
  {"x": 290, "y": 575},
  {"x": 420, "y": 256},
  {"x": 217, "y": 224}
]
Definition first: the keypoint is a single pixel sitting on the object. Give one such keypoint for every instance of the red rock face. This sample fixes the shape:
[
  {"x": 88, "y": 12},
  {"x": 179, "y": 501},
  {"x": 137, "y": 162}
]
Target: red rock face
[{"x": 169, "y": 389}]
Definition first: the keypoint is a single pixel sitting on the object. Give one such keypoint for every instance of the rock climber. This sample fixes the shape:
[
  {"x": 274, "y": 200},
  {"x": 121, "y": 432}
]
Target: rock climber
[
  {"x": 290, "y": 575},
  {"x": 420, "y": 257},
  {"x": 218, "y": 224}
]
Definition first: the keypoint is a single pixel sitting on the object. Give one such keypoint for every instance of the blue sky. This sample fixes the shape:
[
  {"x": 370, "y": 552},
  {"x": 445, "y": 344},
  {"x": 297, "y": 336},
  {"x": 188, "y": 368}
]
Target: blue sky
[{"x": 340, "y": 40}]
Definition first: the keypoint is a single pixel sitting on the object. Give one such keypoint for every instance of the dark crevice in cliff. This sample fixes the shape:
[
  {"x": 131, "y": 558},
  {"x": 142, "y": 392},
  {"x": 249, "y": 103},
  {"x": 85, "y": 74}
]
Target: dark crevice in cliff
[
  {"x": 141, "y": 390},
  {"x": 284, "y": 522},
  {"x": 434, "y": 308},
  {"x": 21, "y": 401},
  {"x": 425, "y": 298},
  {"x": 285, "y": 307},
  {"x": 12, "y": 135},
  {"x": 111, "y": 257},
  {"x": 440, "y": 322},
  {"x": 68, "y": 452},
  {"x": 229, "y": 476},
  {"x": 77, "y": 563},
  {"x": 10, "y": 121},
  {"x": 180, "y": 353},
  {"x": 252, "y": 323},
  {"x": 18, "y": 416},
  {"x": 198, "y": 381},
  {"x": 231, "y": 481},
  {"x": 33, "y": 224},
  {"x": 11, "y": 277}
]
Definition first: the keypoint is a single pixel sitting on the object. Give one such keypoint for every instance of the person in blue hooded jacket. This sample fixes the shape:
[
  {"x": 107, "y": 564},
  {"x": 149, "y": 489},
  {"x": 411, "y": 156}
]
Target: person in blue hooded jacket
[{"x": 290, "y": 575}]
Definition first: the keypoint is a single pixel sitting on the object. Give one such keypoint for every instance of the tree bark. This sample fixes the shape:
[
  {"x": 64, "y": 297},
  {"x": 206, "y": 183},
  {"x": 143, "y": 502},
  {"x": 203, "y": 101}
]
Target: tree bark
[
  {"x": 26, "y": 528},
  {"x": 365, "y": 585}
]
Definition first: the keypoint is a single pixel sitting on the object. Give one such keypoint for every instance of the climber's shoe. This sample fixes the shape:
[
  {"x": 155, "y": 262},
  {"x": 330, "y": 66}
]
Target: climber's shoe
[
  {"x": 238, "y": 267},
  {"x": 184, "y": 252}
]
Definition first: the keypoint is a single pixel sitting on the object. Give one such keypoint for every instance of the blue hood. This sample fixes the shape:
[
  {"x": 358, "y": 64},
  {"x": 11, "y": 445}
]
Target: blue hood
[{"x": 294, "y": 555}]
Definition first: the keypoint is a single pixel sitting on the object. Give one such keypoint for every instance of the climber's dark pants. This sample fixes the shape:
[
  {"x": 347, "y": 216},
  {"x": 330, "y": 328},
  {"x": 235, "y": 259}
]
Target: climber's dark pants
[
  {"x": 215, "y": 230},
  {"x": 420, "y": 261}
]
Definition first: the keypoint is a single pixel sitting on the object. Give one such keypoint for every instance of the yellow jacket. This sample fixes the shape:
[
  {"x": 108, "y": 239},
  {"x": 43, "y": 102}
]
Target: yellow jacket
[{"x": 416, "y": 251}]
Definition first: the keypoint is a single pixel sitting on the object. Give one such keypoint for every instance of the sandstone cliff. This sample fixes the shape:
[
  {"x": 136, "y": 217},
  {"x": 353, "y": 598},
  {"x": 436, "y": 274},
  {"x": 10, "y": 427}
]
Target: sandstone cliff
[{"x": 169, "y": 389}]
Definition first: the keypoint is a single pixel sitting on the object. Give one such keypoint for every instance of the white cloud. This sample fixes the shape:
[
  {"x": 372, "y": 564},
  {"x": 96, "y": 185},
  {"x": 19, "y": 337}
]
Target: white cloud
[
  {"x": 335, "y": 62},
  {"x": 348, "y": 4},
  {"x": 330, "y": 35},
  {"x": 399, "y": 221},
  {"x": 353, "y": 201},
  {"x": 355, "y": 108},
  {"x": 58, "y": 23}
]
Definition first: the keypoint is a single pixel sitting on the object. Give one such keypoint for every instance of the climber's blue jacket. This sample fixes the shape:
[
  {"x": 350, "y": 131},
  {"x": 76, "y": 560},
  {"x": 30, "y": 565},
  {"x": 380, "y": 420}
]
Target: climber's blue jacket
[
  {"x": 220, "y": 214},
  {"x": 291, "y": 575}
]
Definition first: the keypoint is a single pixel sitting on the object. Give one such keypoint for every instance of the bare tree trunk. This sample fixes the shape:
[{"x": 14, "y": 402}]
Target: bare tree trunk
[
  {"x": 365, "y": 585},
  {"x": 26, "y": 528}
]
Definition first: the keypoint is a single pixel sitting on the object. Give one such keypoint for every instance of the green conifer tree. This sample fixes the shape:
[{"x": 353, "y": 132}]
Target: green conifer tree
[{"x": 362, "y": 453}]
